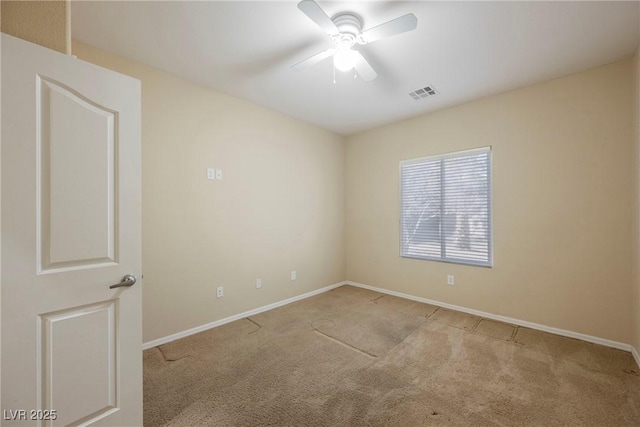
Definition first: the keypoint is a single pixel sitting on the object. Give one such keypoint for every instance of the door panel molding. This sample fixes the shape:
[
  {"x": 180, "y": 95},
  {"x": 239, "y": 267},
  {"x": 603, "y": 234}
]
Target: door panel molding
[
  {"x": 75, "y": 199},
  {"x": 92, "y": 330}
]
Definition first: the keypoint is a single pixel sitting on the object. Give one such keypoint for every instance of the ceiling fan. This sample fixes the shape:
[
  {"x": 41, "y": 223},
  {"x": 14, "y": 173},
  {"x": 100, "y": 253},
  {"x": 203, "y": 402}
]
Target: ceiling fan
[{"x": 345, "y": 30}]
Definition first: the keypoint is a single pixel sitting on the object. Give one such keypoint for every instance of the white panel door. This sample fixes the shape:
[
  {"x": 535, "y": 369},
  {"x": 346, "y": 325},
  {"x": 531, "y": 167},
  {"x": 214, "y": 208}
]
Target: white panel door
[{"x": 71, "y": 344}]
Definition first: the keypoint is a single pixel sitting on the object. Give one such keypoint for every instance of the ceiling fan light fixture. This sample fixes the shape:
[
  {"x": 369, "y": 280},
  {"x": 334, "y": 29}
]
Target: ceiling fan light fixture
[{"x": 345, "y": 59}]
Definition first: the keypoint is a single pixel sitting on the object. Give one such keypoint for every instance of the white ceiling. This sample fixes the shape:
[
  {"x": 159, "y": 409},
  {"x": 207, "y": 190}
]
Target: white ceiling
[{"x": 466, "y": 50}]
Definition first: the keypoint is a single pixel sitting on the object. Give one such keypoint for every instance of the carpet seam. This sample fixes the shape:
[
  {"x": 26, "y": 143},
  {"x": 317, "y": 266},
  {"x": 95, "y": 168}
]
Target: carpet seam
[
  {"x": 375, "y": 300},
  {"x": 170, "y": 360},
  {"x": 345, "y": 344},
  {"x": 428, "y": 316},
  {"x": 255, "y": 323}
]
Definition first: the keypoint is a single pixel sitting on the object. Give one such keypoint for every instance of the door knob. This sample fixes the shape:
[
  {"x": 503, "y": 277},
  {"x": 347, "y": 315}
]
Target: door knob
[{"x": 127, "y": 280}]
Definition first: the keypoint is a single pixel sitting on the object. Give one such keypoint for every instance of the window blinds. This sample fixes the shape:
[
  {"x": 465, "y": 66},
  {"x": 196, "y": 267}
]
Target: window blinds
[{"x": 446, "y": 208}]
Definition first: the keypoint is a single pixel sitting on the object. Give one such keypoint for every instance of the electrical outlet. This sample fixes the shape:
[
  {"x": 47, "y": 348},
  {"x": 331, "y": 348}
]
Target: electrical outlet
[
  {"x": 258, "y": 283},
  {"x": 211, "y": 173},
  {"x": 220, "y": 292},
  {"x": 293, "y": 275},
  {"x": 451, "y": 280}
]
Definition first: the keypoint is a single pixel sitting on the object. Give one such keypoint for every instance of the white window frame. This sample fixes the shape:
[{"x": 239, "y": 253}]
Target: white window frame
[{"x": 447, "y": 259}]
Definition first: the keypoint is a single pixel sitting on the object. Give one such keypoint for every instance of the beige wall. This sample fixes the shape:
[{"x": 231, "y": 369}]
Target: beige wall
[
  {"x": 636, "y": 213},
  {"x": 562, "y": 171},
  {"x": 279, "y": 207},
  {"x": 47, "y": 23}
]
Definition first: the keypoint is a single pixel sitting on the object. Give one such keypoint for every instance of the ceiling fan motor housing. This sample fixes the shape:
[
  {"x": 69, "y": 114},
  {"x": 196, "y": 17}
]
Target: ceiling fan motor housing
[{"x": 350, "y": 28}]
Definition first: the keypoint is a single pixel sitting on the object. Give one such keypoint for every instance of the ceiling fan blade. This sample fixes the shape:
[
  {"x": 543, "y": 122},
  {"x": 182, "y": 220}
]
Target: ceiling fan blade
[
  {"x": 318, "y": 57},
  {"x": 399, "y": 25},
  {"x": 365, "y": 71},
  {"x": 317, "y": 15}
]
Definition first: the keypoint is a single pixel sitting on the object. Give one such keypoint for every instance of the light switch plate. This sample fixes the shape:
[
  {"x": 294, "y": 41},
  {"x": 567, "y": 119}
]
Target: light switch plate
[{"x": 211, "y": 173}]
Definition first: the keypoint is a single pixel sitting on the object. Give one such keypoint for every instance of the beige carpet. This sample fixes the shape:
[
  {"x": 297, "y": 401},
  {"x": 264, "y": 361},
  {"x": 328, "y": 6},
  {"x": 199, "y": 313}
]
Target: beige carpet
[{"x": 356, "y": 357}]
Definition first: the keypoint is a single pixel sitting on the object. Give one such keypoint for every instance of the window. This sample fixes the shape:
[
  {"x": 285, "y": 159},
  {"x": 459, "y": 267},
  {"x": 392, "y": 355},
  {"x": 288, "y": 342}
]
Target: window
[{"x": 446, "y": 208}]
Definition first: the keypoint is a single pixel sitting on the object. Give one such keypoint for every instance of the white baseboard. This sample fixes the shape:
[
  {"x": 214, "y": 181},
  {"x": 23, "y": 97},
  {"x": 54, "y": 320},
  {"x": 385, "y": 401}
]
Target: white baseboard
[
  {"x": 636, "y": 356},
  {"x": 552, "y": 330},
  {"x": 221, "y": 322}
]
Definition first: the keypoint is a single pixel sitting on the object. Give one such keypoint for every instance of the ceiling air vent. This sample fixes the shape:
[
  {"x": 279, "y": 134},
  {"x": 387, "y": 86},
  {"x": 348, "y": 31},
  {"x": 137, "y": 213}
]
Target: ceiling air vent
[{"x": 423, "y": 92}]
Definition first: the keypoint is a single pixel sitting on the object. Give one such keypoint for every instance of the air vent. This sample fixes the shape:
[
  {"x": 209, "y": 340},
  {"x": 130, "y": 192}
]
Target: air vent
[{"x": 423, "y": 92}]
